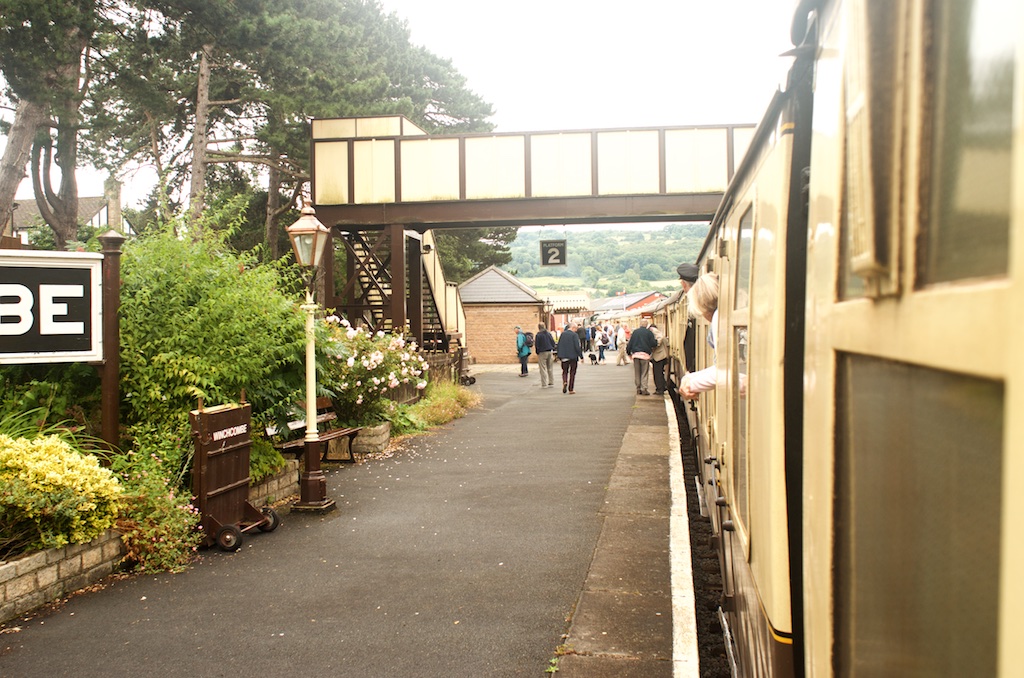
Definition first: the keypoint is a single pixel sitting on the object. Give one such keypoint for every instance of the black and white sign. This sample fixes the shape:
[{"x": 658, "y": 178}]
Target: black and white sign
[
  {"x": 50, "y": 307},
  {"x": 552, "y": 253}
]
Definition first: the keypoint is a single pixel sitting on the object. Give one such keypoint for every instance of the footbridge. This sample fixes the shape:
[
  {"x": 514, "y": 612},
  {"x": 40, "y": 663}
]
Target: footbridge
[{"x": 382, "y": 181}]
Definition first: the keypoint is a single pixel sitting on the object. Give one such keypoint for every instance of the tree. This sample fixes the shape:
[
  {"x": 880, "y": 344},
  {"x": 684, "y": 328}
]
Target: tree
[
  {"x": 44, "y": 53},
  {"x": 590, "y": 276},
  {"x": 465, "y": 252}
]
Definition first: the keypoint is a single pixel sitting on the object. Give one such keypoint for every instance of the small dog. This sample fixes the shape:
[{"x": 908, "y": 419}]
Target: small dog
[{"x": 593, "y": 358}]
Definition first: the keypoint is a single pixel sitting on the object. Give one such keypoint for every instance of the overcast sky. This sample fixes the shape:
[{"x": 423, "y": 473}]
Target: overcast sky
[{"x": 581, "y": 64}]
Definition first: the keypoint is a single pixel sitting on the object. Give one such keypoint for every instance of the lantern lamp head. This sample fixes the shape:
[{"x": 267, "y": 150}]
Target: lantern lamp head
[{"x": 309, "y": 237}]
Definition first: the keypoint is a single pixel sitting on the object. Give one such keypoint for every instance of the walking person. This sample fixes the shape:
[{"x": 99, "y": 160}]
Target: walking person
[
  {"x": 570, "y": 352},
  {"x": 659, "y": 357},
  {"x": 544, "y": 345},
  {"x": 604, "y": 342},
  {"x": 522, "y": 351},
  {"x": 620, "y": 341},
  {"x": 641, "y": 344}
]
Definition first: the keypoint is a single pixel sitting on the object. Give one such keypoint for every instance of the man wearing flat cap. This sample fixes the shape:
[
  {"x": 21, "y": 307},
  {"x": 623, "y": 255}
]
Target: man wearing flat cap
[{"x": 688, "y": 274}]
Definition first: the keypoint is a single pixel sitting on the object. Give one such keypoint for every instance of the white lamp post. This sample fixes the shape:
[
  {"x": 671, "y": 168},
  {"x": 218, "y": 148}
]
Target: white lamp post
[{"x": 309, "y": 238}]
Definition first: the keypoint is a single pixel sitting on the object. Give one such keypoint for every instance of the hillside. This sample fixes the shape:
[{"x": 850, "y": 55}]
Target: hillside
[{"x": 608, "y": 260}]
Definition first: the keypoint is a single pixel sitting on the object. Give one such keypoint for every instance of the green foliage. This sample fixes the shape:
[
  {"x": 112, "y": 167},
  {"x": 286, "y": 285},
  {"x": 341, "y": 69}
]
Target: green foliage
[
  {"x": 42, "y": 237},
  {"x": 360, "y": 369},
  {"x": 160, "y": 527},
  {"x": 466, "y": 252},
  {"x": 51, "y": 495},
  {"x": 442, "y": 402},
  {"x": 264, "y": 460},
  {"x": 609, "y": 260},
  {"x": 66, "y": 395},
  {"x": 201, "y": 321}
]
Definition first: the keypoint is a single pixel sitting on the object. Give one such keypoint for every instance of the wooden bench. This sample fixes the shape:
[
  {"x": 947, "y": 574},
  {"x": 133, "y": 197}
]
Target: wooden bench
[{"x": 324, "y": 413}]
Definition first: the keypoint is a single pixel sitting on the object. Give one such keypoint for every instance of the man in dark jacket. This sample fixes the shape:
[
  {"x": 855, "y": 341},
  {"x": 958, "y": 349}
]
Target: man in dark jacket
[
  {"x": 544, "y": 345},
  {"x": 641, "y": 344},
  {"x": 688, "y": 274},
  {"x": 570, "y": 352}
]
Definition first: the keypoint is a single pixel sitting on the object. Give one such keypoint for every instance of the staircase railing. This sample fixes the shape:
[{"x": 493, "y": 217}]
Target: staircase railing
[{"x": 446, "y": 294}]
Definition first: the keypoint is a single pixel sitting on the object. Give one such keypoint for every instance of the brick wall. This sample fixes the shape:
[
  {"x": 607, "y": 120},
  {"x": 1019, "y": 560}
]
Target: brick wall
[{"x": 491, "y": 339}]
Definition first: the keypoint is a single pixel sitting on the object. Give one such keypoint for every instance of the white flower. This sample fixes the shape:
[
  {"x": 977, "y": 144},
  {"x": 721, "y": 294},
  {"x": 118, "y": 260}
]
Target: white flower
[
  {"x": 421, "y": 385},
  {"x": 351, "y": 361}
]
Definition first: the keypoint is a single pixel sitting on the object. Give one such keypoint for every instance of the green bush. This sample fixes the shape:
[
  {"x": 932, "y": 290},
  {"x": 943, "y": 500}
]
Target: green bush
[
  {"x": 442, "y": 402},
  {"x": 360, "y": 369},
  {"x": 51, "y": 495},
  {"x": 158, "y": 523},
  {"x": 201, "y": 321}
]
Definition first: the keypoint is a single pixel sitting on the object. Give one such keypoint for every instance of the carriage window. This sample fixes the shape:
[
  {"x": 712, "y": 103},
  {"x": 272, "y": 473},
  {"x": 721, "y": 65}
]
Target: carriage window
[
  {"x": 851, "y": 286},
  {"x": 972, "y": 136},
  {"x": 917, "y": 504},
  {"x": 743, "y": 259},
  {"x": 738, "y": 388}
]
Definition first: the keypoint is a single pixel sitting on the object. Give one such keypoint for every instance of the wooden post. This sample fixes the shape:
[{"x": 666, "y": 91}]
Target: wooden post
[{"x": 110, "y": 397}]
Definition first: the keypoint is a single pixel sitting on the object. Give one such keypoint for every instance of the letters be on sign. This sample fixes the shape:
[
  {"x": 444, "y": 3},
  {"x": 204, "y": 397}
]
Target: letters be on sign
[
  {"x": 50, "y": 307},
  {"x": 552, "y": 253}
]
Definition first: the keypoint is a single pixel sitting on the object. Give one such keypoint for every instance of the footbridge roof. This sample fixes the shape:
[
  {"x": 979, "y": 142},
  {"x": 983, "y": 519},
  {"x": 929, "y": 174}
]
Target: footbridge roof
[{"x": 372, "y": 172}]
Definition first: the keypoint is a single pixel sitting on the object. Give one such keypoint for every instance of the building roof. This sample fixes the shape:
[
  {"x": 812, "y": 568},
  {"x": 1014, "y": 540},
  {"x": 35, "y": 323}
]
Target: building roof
[
  {"x": 625, "y": 301},
  {"x": 26, "y": 215},
  {"x": 494, "y": 286}
]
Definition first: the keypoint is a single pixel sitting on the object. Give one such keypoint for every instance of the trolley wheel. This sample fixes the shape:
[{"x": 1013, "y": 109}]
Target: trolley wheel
[
  {"x": 229, "y": 538},
  {"x": 271, "y": 520}
]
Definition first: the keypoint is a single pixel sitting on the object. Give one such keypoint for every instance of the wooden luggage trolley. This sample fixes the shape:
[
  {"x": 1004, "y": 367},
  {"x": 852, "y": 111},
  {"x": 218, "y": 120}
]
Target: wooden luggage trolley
[{"x": 220, "y": 475}]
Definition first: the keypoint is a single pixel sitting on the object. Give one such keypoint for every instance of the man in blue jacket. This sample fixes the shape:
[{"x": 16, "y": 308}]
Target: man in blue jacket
[{"x": 544, "y": 344}]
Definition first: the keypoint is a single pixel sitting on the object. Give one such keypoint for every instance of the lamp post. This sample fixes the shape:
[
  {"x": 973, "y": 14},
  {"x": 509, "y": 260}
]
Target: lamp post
[{"x": 309, "y": 237}]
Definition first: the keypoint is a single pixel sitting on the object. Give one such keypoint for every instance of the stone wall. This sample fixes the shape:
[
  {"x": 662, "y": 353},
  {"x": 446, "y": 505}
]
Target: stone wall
[
  {"x": 44, "y": 576},
  {"x": 275, "y": 488},
  {"x": 490, "y": 333}
]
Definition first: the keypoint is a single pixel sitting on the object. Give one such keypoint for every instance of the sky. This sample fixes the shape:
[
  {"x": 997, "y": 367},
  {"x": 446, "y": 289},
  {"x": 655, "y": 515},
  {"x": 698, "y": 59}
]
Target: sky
[
  {"x": 591, "y": 64},
  {"x": 583, "y": 64}
]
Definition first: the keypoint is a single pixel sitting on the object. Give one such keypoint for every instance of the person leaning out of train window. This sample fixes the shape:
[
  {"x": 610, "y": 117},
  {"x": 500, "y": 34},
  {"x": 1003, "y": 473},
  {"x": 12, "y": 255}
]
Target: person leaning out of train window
[
  {"x": 702, "y": 301},
  {"x": 688, "y": 274}
]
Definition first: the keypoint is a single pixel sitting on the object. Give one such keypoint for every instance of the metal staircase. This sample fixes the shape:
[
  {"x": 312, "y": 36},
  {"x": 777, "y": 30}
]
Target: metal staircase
[{"x": 367, "y": 294}]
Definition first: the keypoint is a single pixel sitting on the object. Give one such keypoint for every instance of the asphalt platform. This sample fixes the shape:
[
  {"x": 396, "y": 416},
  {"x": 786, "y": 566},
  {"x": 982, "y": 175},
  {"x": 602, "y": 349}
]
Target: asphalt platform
[{"x": 538, "y": 531}]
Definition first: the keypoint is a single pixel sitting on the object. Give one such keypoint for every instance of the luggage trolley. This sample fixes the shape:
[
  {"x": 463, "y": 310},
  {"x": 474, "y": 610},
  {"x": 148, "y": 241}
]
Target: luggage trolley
[{"x": 220, "y": 476}]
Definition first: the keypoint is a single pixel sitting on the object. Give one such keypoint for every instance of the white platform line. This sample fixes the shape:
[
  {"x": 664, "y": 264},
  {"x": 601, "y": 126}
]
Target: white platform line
[{"x": 685, "y": 656}]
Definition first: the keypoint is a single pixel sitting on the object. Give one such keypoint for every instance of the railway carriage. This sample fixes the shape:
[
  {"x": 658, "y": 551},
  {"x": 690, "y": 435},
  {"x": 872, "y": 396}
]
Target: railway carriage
[{"x": 863, "y": 451}]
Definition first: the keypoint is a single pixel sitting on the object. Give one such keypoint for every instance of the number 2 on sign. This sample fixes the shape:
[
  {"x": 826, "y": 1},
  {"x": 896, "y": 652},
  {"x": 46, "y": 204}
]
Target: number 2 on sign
[{"x": 554, "y": 255}]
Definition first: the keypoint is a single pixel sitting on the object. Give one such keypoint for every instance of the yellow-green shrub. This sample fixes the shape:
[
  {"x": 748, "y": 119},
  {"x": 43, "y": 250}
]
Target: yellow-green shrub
[{"x": 52, "y": 495}]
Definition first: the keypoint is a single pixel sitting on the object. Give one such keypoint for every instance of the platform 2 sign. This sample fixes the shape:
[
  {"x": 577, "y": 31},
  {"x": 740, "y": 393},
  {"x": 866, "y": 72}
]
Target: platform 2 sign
[
  {"x": 552, "y": 253},
  {"x": 50, "y": 307}
]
